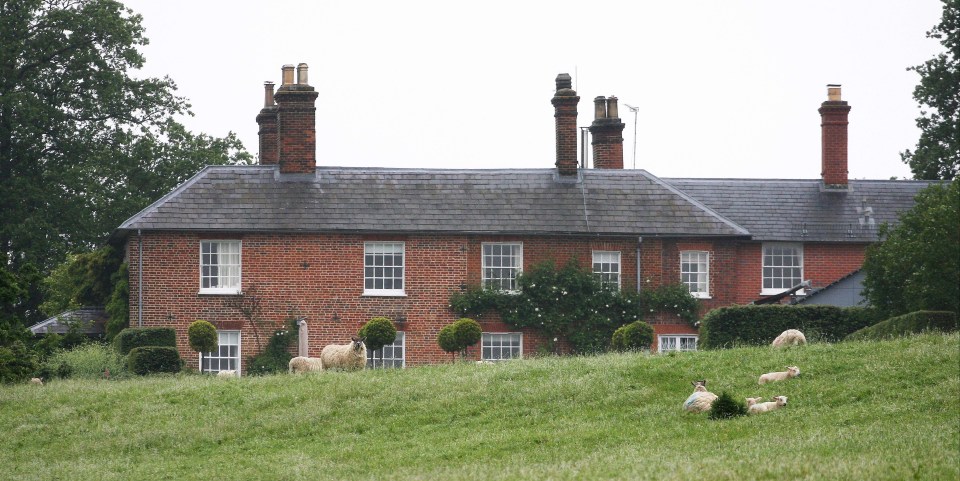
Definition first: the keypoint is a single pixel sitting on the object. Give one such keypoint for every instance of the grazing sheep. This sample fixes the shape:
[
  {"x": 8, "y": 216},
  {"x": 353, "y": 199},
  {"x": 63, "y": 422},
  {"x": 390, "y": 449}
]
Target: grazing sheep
[
  {"x": 301, "y": 364},
  {"x": 345, "y": 356},
  {"x": 753, "y": 400},
  {"x": 790, "y": 337},
  {"x": 227, "y": 373},
  {"x": 792, "y": 371},
  {"x": 701, "y": 400},
  {"x": 777, "y": 403},
  {"x": 36, "y": 381}
]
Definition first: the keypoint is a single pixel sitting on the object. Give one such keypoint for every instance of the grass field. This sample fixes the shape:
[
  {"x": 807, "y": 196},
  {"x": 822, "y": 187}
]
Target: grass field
[{"x": 863, "y": 410}]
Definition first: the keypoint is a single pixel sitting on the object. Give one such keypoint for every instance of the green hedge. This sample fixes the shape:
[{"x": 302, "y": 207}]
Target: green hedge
[
  {"x": 634, "y": 336},
  {"x": 913, "y": 322},
  {"x": 154, "y": 359},
  {"x": 760, "y": 325},
  {"x": 133, "y": 337}
]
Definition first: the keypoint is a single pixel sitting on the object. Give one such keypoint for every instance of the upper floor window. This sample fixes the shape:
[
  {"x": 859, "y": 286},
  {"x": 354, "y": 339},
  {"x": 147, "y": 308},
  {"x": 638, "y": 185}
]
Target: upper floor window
[
  {"x": 782, "y": 267},
  {"x": 383, "y": 268},
  {"x": 220, "y": 267},
  {"x": 606, "y": 266},
  {"x": 695, "y": 272},
  {"x": 502, "y": 262},
  {"x": 498, "y": 346}
]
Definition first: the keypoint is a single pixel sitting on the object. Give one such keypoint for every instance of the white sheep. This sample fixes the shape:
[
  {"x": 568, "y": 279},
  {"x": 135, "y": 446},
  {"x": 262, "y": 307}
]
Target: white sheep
[
  {"x": 37, "y": 381},
  {"x": 790, "y": 337},
  {"x": 777, "y": 403},
  {"x": 302, "y": 364},
  {"x": 227, "y": 373},
  {"x": 753, "y": 400},
  {"x": 701, "y": 400},
  {"x": 345, "y": 356},
  {"x": 792, "y": 371}
]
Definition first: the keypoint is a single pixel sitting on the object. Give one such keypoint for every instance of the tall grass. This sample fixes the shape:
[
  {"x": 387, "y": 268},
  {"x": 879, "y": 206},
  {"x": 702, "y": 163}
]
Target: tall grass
[
  {"x": 885, "y": 410},
  {"x": 87, "y": 361}
]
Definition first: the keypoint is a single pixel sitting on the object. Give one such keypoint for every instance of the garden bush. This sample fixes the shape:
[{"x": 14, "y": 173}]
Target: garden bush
[
  {"x": 459, "y": 335},
  {"x": 726, "y": 407},
  {"x": 17, "y": 363},
  {"x": 133, "y": 337},
  {"x": 913, "y": 322},
  {"x": 154, "y": 359},
  {"x": 631, "y": 337},
  {"x": 89, "y": 361},
  {"x": 760, "y": 325},
  {"x": 378, "y": 332},
  {"x": 275, "y": 358}
]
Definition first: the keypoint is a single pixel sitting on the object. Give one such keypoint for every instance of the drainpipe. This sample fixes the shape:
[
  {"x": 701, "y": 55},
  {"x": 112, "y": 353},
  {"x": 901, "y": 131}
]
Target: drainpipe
[
  {"x": 139, "y": 279},
  {"x": 639, "y": 277}
]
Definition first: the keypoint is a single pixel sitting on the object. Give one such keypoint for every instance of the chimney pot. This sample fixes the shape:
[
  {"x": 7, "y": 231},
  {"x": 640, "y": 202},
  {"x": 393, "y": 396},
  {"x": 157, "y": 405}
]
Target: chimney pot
[
  {"x": 599, "y": 107},
  {"x": 302, "y": 74},
  {"x": 287, "y": 74},
  {"x": 564, "y": 81},
  {"x": 833, "y": 92},
  {"x": 268, "y": 94},
  {"x": 612, "y": 111}
]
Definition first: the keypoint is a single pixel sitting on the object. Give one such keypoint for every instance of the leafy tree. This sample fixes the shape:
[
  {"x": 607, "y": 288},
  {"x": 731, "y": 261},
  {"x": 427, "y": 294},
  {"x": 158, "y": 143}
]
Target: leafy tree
[
  {"x": 83, "y": 144},
  {"x": 118, "y": 305},
  {"x": 937, "y": 155},
  {"x": 915, "y": 266},
  {"x": 83, "y": 280}
]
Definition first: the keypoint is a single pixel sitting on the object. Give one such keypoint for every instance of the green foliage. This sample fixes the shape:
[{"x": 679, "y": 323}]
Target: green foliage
[
  {"x": 937, "y": 155},
  {"x": 459, "y": 335},
  {"x": 570, "y": 302},
  {"x": 17, "y": 363},
  {"x": 378, "y": 332},
  {"x": 90, "y": 361},
  {"x": 82, "y": 280},
  {"x": 916, "y": 265},
  {"x": 760, "y": 325},
  {"x": 203, "y": 336},
  {"x": 912, "y": 323},
  {"x": 153, "y": 360},
  {"x": 275, "y": 358},
  {"x": 635, "y": 336},
  {"x": 447, "y": 339},
  {"x": 12, "y": 294},
  {"x": 726, "y": 407},
  {"x": 118, "y": 305},
  {"x": 133, "y": 337}
]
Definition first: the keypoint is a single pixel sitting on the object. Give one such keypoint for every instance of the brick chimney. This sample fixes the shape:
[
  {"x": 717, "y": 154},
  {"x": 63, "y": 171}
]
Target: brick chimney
[
  {"x": 565, "y": 106},
  {"x": 607, "y": 133},
  {"x": 296, "y": 123},
  {"x": 267, "y": 120},
  {"x": 833, "y": 140}
]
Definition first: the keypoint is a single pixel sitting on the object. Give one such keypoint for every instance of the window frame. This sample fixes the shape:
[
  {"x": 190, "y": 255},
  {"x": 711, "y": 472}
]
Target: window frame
[
  {"x": 678, "y": 338},
  {"x": 239, "y": 265},
  {"x": 485, "y": 345},
  {"x": 238, "y": 359},
  {"x": 601, "y": 274},
  {"x": 763, "y": 266},
  {"x": 400, "y": 341},
  {"x": 401, "y": 292},
  {"x": 705, "y": 294},
  {"x": 518, "y": 268}
]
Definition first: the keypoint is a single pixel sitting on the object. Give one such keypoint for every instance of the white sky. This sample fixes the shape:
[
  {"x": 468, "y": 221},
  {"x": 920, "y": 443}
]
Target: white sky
[{"x": 725, "y": 88}]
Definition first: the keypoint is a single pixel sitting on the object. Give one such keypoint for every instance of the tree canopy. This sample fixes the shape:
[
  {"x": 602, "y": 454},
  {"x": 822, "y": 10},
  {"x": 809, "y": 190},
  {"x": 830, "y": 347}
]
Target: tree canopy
[{"x": 937, "y": 155}]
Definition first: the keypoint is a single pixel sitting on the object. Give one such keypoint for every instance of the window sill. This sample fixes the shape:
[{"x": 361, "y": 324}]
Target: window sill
[
  {"x": 701, "y": 295},
  {"x": 219, "y": 292},
  {"x": 384, "y": 294}
]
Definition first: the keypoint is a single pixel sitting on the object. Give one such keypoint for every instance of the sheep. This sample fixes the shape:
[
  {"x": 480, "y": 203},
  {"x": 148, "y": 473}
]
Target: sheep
[
  {"x": 753, "y": 400},
  {"x": 777, "y": 403},
  {"x": 301, "y": 364},
  {"x": 792, "y": 371},
  {"x": 790, "y": 337},
  {"x": 701, "y": 400},
  {"x": 37, "y": 381},
  {"x": 227, "y": 373},
  {"x": 345, "y": 356}
]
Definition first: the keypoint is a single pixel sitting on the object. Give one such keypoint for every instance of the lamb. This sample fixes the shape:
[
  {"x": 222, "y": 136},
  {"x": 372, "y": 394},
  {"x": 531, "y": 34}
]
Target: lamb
[
  {"x": 777, "y": 403},
  {"x": 37, "y": 381},
  {"x": 792, "y": 371},
  {"x": 301, "y": 364},
  {"x": 790, "y": 337},
  {"x": 345, "y": 356},
  {"x": 753, "y": 400},
  {"x": 701, "y": 400},
  {"x": 227, "y": 373}
]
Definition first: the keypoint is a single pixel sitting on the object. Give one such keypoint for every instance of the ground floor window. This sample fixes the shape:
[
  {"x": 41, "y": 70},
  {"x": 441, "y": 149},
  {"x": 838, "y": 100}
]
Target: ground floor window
[
  {"x": 390, "y": 355},
  {"x": 227, "y": 355},
  {"x": 498, "y": 346},
  {"x": 677, "y": 343}
]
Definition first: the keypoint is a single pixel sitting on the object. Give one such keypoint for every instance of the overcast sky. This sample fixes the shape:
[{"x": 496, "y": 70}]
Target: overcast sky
[{"x": 725, "y": 88}]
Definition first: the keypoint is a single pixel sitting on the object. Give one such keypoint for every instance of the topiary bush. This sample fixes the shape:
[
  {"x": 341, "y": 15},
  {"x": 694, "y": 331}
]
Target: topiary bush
[
  {"x": 203, "y": 336},
  {"x": 133, "y": 337},
  {"x": 913, "y": 322},
  {"x": 378, "y": 332},
  {"x": 154, "y": 359},
  {"x": 726, "y": 407},
  {"x": 760, "y": 325},
  {"x": 632, "y": 337},
  {"x": 447, "y": 339},
  {"x": 467, "y": 332}
]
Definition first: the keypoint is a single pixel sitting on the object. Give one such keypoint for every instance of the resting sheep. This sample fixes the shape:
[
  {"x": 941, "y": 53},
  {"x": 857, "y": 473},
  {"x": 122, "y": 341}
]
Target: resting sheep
[
  {"x": 777, "y": 403},
  {"x": 790, "y": 337},
  {"x": 344, "y": 356},
  {"x": 753, "y": 400},
  {"x": 792, "y": 371},
  {"x": 701, "y": 400},
  {"x": 227, "y": 373},
  {"x": 37, "y": 381},
  {"x": 302, "y": 364}
]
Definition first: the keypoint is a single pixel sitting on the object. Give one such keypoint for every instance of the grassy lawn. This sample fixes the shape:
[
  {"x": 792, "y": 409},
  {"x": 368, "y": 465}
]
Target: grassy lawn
[{"x": 861, "y": 410}]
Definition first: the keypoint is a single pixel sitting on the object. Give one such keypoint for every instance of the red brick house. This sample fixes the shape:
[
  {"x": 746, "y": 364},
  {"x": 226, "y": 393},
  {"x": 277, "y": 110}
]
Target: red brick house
[{"x": 337, "y": 246}]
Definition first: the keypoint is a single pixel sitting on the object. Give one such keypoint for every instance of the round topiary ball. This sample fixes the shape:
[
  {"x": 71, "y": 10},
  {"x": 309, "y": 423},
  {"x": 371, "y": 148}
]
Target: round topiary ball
[
  {"x": 634, "y": 336},
  {"x": 203, "y": 336},
  {"x": 447, "y": 339},
  {"x": 378, "y": 332},
  {"x": 467, "y": 332}
]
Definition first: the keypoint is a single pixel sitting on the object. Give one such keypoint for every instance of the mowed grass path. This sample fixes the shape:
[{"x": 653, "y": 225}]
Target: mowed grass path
[{"x": 866, "y": 410}]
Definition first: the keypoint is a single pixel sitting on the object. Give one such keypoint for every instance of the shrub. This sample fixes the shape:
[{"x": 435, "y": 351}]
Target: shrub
[
  {"x": 634, "y": 336},
  {"x": 760, "y": 325},
  {"x": 378, "y": 332},
  {"x": 914, "y": 322},
  {"x": 118, "y": 305},
  {"x": 202, "y": 336},
  {"x": 467, "y": 332},
  {"x": 154, "y": 359},
  {"x": 17, "y": 363},
  {"x": 133, "y": 337},
  {"x": 726, "y": 407},
  {"x": 88, "y": 361},
  {"x": 447, "y": 339},
  {"x": 275, "y": 358}
]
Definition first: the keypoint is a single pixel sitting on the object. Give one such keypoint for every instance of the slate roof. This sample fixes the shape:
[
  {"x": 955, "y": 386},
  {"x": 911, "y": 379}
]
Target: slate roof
[
  {"x": 90, "y": 319},
  {"x": 508, "y": 201},
  {"x": 799, "y": 210}
]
